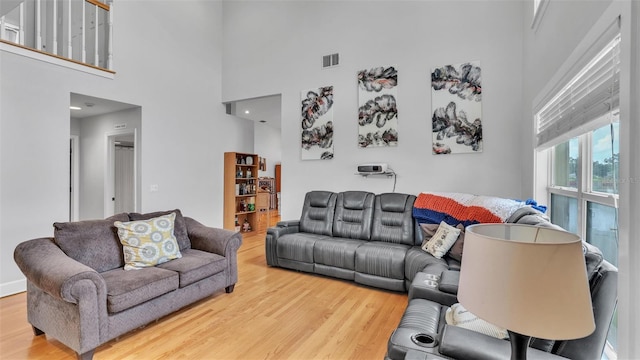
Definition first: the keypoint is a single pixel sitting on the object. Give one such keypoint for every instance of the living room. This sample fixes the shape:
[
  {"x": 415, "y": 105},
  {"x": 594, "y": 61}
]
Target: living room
[{"x": 211, "y": 53}]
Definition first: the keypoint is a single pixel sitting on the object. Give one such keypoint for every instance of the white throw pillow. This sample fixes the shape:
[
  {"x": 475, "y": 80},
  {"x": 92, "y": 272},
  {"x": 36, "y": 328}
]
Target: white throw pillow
[
  {"x": 459, "y": 316},
  {"x": 442, "y": 240}
]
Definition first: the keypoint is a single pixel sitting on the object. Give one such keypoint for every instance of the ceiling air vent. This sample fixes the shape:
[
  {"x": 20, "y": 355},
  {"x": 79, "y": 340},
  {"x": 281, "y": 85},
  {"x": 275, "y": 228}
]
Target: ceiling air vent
[{"x": 330, "y": 60}]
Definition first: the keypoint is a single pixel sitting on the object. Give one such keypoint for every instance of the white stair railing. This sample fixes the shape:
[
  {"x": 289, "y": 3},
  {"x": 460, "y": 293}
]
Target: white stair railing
[{"x": 43, "y": 25}]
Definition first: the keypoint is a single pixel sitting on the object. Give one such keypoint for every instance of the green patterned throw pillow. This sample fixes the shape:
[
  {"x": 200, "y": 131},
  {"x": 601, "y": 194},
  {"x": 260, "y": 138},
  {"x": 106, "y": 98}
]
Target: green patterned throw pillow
[{"x": 148, "y": 242}]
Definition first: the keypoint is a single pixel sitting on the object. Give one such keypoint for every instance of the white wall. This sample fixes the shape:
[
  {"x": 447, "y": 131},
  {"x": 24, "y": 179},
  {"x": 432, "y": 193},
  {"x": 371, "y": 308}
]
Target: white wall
[
  {"x": 174, "y": 78},
  {"x": 276, "y": 47},
  {"x": 93, "y": 133},
  {"x": 268, "y": 144}
]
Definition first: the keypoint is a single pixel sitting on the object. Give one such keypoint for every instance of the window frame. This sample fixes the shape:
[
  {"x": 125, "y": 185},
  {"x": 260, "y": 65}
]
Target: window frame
[{"x": 584, "y": 191}]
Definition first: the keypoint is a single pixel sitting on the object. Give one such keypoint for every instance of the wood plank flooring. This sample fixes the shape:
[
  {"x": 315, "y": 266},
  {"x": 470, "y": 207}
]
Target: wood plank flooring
[{"x": 273, "y": 313}]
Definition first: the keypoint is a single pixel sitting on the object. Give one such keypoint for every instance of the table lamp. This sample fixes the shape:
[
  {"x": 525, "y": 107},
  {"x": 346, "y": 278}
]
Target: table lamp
[{"x": 529, "y": 280}]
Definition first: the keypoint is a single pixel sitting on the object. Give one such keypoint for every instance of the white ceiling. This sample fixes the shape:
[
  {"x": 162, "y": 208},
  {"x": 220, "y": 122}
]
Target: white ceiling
[
  {"x": 265, "y": 109},
  {"x": 92, "y": 106}
]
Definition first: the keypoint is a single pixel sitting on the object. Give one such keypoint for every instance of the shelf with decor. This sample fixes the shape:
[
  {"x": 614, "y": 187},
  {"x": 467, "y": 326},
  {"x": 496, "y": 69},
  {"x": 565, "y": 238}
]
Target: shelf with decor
[{"x": 240, "y": 190}]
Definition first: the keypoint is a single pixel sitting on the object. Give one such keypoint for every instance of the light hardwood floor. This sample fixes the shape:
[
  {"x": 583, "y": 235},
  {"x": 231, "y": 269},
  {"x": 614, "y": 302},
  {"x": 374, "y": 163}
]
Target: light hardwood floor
[{"x": 273, "y": 313}]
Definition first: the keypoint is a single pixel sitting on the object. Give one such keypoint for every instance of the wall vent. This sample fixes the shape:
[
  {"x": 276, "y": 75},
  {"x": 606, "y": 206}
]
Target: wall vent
[{"x": 330, "y": 60}]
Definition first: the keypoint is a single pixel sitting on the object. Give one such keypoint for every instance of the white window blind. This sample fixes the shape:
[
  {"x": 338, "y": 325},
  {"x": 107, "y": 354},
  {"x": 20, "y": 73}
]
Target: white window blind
[{"x": 589, "y": 96}]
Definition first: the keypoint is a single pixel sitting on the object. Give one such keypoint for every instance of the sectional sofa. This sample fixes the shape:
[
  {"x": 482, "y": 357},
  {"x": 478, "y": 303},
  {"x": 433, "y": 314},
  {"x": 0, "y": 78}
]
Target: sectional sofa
[
  {"x": 376, "y": 240},
  {"x": 372, "y": 239}
]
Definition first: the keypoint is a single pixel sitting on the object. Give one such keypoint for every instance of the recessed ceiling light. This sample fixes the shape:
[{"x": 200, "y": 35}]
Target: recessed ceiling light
[
  {"x": 263, "y": 121},
  {"x": 75, "y": 108},
  {"x": 246, "y": 111}
]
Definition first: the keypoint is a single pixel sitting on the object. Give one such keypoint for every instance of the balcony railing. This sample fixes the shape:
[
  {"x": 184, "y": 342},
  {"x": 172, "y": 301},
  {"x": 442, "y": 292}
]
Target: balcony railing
[{"x": 75, "y": 30}]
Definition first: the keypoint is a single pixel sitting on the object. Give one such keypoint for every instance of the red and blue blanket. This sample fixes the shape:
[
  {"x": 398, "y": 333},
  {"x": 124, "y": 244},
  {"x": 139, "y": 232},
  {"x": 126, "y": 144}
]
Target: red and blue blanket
[{"x": 465, "y": 209}]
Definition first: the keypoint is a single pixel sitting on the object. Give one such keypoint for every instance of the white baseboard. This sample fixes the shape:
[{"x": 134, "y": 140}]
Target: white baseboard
[{"x": 13, "y": 287}]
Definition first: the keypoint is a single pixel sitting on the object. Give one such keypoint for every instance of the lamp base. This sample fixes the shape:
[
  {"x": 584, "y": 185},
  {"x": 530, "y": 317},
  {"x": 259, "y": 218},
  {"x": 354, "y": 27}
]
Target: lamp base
[{"x": 519, "y": 345}]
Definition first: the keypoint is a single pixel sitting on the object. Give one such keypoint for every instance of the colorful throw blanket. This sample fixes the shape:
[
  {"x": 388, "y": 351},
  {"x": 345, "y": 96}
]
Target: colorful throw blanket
[{"x": 465, "y": 209}]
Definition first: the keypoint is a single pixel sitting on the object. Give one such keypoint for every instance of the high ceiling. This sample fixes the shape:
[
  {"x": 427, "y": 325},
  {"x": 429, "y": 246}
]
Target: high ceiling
[{"x": 266, "y": 109}]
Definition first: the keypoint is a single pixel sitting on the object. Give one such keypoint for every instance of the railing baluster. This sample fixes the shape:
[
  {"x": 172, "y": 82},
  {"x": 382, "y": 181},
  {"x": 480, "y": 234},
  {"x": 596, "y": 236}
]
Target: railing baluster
[
  {"x": 38, "y": 26},
  {"x": 109, "y": 37},
  {"x": 69, "y": 37},
  {"x": 96, "y": 57},
  {"x": 54, "y": 51},
  {"x": 21, "y": 31},
  {"x": 3, "y": 34},
  {"x": 84, "y": 33}
]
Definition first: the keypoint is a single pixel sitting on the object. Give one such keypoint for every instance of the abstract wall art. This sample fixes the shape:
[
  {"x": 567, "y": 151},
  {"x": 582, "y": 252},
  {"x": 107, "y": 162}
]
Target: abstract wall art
[
  {"x": 317, "y": 123},
  {"x": 456, "y": 102},
  {"x": 377, "y": 112}
]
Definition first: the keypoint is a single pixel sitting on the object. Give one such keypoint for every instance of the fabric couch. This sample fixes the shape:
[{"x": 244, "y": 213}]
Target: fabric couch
[{"x": 79, "y": 292}]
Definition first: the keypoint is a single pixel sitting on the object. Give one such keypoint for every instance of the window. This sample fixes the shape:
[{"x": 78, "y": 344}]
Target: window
[
  {"x": 578, "y": 153},
  {"x": 582, "y": 188}
]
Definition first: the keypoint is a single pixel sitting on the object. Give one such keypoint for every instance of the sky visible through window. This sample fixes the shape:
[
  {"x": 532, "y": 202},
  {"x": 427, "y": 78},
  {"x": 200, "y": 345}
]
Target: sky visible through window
[{"x": 601, "y": 143}]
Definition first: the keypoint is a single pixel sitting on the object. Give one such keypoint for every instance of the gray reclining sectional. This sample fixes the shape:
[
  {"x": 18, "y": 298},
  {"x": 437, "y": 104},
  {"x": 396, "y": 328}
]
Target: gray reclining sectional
[
  {"x": 352, "y": 235},
  {"x": 374, "y": 240}
]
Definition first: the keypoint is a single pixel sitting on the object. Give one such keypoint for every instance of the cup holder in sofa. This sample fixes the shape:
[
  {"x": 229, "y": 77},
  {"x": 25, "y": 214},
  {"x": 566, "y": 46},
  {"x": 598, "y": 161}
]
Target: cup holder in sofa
[{"x": 424, "y": 340}]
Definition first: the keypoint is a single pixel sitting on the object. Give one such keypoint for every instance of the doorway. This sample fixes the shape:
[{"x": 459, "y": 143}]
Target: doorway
[
  {"x": 120, "y": 173},
  {"x": 104, "y": 176}
]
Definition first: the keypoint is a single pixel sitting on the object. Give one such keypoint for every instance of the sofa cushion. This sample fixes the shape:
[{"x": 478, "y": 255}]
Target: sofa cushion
[
  {"x": 148, "y": 242},
  {"x": 94, "y": 243},
  {"x": 195, "y": 265},
  {"x": 457, "y": 315},
  {"x": 179, "y": 226},
  {"x": 297, "y": 246},
  {"x": 381, "y": 259},
  {"x": 353, "y": 215},
  {"x": 337, "y": 252},
  {"x": 440, "y": 243},
  {"x": 392, "y": 219},
  {"x": 416, "y": 260},
  {"x": 317, "y": 213},
  {"x": 428, "y": 230},
  {"x": 126, "y": 289}
]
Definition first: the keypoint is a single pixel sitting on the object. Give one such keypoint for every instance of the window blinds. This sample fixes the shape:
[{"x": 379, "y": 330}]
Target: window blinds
[{"x": 585, "y": 99}]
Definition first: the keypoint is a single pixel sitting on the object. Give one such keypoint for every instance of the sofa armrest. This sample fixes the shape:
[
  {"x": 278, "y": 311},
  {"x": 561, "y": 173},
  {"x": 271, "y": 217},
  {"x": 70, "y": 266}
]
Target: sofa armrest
[
  {"x": 288, "y": 223},
  {"x": 214, "y": 240},
  {"x": 460, "y": 343},
  {"x": 275, "y": 232},
  {"x": 46, "y": 266}
]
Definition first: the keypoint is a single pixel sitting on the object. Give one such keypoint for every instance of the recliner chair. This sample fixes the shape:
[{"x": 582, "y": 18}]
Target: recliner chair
[{"x": 424, "y": 334}]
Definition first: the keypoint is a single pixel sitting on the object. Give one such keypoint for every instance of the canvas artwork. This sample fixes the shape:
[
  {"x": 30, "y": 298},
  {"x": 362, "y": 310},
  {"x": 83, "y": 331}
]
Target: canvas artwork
[
  {"x": 456, "y": 102},
  {"x": 377, "y": 113},
  {"x": 317, "y": 124}
]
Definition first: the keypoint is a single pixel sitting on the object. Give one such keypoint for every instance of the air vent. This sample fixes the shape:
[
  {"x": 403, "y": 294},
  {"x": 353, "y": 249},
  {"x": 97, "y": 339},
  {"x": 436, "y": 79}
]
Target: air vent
[{"x": 330, "y": 60}]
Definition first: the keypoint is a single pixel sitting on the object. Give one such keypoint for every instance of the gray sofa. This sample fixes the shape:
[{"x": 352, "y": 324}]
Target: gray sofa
[
  {"x": 79, "y": 293},
  {"x": 423, "y": 333},
  {"x": 352, "y": 235},
  {"x": 374, "y": 240}
]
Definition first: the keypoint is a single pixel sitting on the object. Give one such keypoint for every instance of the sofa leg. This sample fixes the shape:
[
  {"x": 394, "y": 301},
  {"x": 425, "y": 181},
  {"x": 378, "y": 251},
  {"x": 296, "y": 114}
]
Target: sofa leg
[
  {"x": 229, "y": 289},
  {"x": 36, "y": 331},
  {"x": 86, "y": 356}
]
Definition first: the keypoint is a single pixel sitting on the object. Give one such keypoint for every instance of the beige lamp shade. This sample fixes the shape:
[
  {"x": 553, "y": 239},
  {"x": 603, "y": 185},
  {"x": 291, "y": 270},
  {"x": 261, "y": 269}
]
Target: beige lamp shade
[{"x": 527, "y": 279}]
